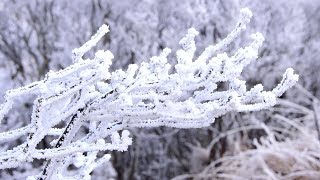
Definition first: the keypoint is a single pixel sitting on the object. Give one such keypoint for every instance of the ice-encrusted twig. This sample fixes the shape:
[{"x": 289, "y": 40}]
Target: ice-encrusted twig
[
  {"x": 245, "y": 16},
  {"x": 142, "y": 96},
  {"x": 79, "y": 52}
]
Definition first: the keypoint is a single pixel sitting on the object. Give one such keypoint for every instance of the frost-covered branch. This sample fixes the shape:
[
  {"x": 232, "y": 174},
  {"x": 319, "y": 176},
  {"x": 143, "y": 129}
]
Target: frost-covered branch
[{"x": 142, "y": 96}]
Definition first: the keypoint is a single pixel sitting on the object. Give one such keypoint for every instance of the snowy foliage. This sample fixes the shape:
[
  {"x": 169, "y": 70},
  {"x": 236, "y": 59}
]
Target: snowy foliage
[{"x": 87, "y": 94}]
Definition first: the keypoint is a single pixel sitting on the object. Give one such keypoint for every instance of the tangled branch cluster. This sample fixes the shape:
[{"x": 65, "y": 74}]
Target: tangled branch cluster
[{"x": 86, "y": 94}]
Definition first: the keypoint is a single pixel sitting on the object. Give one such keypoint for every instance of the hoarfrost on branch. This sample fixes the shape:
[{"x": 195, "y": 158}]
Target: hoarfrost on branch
[{"x": 86, "y": 94}]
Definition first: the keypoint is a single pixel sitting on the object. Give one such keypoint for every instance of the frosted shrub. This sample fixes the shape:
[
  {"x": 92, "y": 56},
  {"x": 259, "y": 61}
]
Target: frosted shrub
[
  {"x": 86, "y": 95},
  {"x": 288, "y": 150}
]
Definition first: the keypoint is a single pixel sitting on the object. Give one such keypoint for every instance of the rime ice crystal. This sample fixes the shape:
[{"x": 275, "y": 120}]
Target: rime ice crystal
[{"x": 145, "y": 96}]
